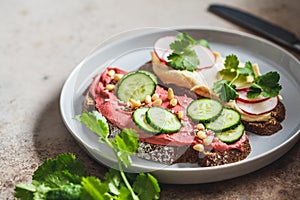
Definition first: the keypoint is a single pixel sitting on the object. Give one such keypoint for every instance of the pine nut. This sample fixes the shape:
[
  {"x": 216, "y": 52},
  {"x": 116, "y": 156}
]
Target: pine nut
[
  {"x": 148, "y": 99},
  {"x": 180, "y": 114},
  {"x": 111, "y": 73},
  {"x": 173, "y": 102},
  {"x": 198, "y": 147},
  {"x": 110, "y": 87},
  {"x": 135, "y": 103},
  {"x": 200, "y": 127},
  {"x": 155, "y": 96},
  {"x": 170, "y": 93},
  {"x": 201, "y": 134},
  {"x": 117, "y": 77},
  {"x": 157, "y": 102}
]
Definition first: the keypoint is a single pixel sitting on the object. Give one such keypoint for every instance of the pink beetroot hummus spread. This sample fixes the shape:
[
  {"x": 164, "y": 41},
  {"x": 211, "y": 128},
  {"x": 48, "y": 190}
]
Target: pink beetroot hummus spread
[{"x": 120, "y": 114}]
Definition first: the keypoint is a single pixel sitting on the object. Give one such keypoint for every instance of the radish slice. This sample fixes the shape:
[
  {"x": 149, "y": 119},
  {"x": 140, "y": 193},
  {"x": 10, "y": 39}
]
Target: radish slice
[
  {"x": 162, "y": 47},
  {"x": 258, "y": 108},
  {"x": 245, "y": 89},
  {"x": 243, "y": 97},
  {"x": 206, "y": 57}
]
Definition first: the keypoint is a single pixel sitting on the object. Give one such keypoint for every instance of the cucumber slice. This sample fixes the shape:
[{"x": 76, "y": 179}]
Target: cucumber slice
[
  {"x": 204, "y": 110},
  {"x": 153, "y": 76},
  {"x": 139, "y": 118},
  {"x": 135, "y": 86},
  {"x": 228, "y": 119},
  {"x": 163, "y": 120},
  {"x": 231, "y": 135}
]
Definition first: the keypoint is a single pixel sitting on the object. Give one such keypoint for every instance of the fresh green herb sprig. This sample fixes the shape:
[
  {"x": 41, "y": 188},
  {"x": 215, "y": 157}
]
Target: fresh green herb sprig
[
  {"x": 184, "y": 56},
  {"x": 266, "y": 85},
  {"x": 65, "y": 177}
]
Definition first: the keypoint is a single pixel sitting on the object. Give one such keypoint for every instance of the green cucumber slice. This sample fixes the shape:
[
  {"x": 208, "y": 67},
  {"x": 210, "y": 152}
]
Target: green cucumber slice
[
  {"x": 139, "y": 118},
  {"x": 153, "y": 76},
  {"x": 231, "y": 135},
  {"x": 228, "y": 119},
  {"x": 135, "y": 86},
  {"x": 204, "y": 110},
  {"x": 163, "y": 120}
]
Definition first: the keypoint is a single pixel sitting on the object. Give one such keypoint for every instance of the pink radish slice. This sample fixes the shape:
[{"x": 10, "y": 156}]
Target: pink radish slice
[
  {"x": 206, "y": 57},
  {"x": 245, "y": 89},
  {"x": 243, "y": 97},
  {"x": 258, "y": 108},
  {"x": 162, "y": 47}
]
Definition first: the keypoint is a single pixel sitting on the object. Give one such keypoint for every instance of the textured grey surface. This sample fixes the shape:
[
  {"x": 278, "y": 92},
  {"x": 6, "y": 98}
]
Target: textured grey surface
[{"x": 42, "y": 41}]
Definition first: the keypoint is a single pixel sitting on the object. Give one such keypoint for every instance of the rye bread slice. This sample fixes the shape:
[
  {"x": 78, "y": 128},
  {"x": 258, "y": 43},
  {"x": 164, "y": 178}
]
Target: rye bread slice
[
  {"x": 268, "y": 127},
  {"x": 176, "y": 154}
]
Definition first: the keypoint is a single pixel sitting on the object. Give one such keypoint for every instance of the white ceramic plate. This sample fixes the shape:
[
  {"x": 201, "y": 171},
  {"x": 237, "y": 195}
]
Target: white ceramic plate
[{"x": 132, "y": 49}]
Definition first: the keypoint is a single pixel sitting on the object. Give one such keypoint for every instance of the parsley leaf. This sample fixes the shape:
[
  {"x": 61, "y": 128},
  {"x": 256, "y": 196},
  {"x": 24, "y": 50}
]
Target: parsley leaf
[{"x": 184, "y": 56}]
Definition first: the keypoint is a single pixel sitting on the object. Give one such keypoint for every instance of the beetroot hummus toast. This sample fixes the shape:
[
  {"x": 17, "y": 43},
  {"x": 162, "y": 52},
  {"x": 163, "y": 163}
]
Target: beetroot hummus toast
[{"x": 188, "y": 105}]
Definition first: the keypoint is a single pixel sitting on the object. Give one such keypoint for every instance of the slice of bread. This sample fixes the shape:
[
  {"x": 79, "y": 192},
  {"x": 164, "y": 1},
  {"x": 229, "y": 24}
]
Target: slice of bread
[
  {"x": 177, "y": 154},
  {"x": 268, "y": 127}
]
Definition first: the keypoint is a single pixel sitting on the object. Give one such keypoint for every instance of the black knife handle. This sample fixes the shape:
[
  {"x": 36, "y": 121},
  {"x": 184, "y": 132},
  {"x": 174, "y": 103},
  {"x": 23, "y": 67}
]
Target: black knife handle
[{"x": 257, "y": 25}]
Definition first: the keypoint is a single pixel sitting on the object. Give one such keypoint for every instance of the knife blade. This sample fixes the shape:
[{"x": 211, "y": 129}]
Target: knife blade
[{"x": 258, "y": 25}]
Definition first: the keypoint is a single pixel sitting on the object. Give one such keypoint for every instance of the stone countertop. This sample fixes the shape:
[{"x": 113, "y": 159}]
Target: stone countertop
[{"x": 42, "y": 42}]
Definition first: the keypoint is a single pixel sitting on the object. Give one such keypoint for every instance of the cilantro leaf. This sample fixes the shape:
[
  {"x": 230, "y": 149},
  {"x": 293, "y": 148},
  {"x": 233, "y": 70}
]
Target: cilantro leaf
[
  {"x": 254, "y": 91},
  {"x": 233, "y": 71},
  {"x": 93, "y": 188},
  {"x": 247, "y": 70},
  {"x": 184, "y": 37},
  {"x": 184, "y": 56},
  {"x": 269, "y": 84},
  {"x": 25, "y": 191},
  {"x": 64, "y": 177},
  {"x": 57, "y": 178},
  {"x": 231, "y": 62},
  {"x": 96, "y": 122},
  {"x": 67, "y": 191},
  {"x": 62, "y": 169},
  {"x": 225, "y": 91},
  {"x": 127, "y": 144},
  {"x": 114, "y": 181},
  {"x": 146, "y": 181},
  {"x": 202, "y": 42}
]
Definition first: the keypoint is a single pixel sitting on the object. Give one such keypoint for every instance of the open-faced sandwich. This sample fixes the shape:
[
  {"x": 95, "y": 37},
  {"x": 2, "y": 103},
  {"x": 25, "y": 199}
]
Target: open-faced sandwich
[{"x": 187, "y": 112}]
